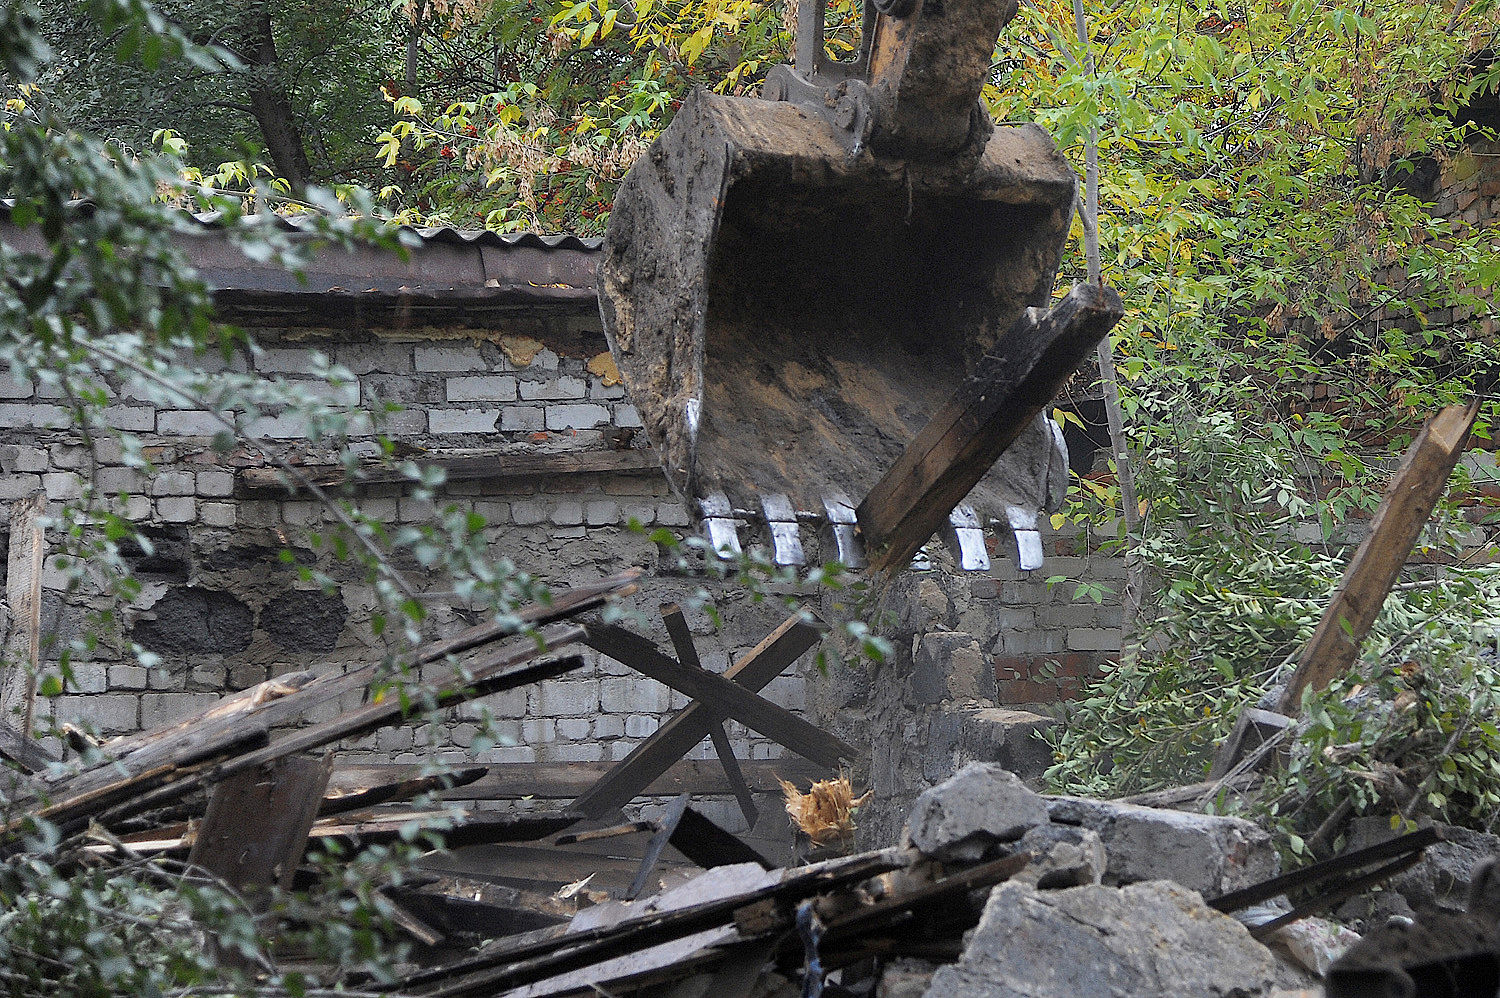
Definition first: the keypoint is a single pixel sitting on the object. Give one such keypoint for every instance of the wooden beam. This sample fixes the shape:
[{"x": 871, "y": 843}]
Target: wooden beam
[
  {"x": 1407, "y": 506},
  {"x": 687, "y": 654},
  {"x": 963, "y": 440},
  {"x": 466, "y": 468},
  {"x": 257, "y": 823},
  {"x": 567, "y": 780},
  {"x": 721, "y": 696},
  {"x": 22, "y": 661},
  {"x": 673, "y": 740}
]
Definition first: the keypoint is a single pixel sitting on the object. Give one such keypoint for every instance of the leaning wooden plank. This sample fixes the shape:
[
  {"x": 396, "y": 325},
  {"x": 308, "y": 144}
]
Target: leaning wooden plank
[
  {"x": 256, "y": 827},
  {"x": 721, "y": 696},
  {"x": 236, "y": 704},
  {"x": 1408, "y": 503},
  {"x": 495, "y": 972},
  {"x": 99, "y": 789},
  {"x": 567, "y": 780},
  {"x": 960, "y": 444},
  {"x": 22, "y": 654},
  {"x": 676, "y": 738},
  {"x": 492, "y": 673},
  {"x": 468, "y": 468}
]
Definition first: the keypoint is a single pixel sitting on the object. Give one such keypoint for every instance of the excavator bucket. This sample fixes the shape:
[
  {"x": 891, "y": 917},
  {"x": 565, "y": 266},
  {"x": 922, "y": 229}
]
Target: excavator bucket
[{"x": 791, "y": 294}]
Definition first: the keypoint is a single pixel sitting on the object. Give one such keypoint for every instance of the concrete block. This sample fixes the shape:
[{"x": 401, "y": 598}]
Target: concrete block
[
  {"x": 162, "y": 708},
  {"x": 173, "y": 483},
  {"x": 109, "y": 713},
  {"x": 560, "y": 389},
  {"x": 570, "y": 698},
  {"x": 579, "y": 416},
  {"x": 573, "y": 752},
  {"x": 19, "y": 486},
  {"x": 673, "y": 514},
  {"x": 112, "y": 481},
  {"x": 1207, "y": 853},
  {"x": 462, "y": 420},
  {"x": 574, "y": 728},
  {"x": 182, "y": 509},
  {"x": 1094, "y": 639},
  {"x": 20, "y": 415},
  {"x": 628, "y": 417},
  {"x": 483, "y": 388},
  {"x": 609, "y": 727},
  {"x": 449, "y": 357},
  {"x": 15, "y": 388},
  {"x": 601, "y": 513},
  {"x": 187, "y": 423},
  {"x": 633, "y": 695},
  {"x": 215, "y": 483},
  {"x": 370, "y": 358},
  {"x": 277, "y": 427},
  {"x": 62, "y": 486},
  {"x": 523, "y": 418},
  {"x": 127, "y": 677},
  {"x": 538, "y": 730},
  {"x": 639, "y": 726},
  {"x": 1012, "y": 739},
  {"x": 1150, "y": 940},
  {"x": 526, "y": 512},
  {"x": 567, "y": 513},
  {"x": 17, "y": 458},
  {"x": 963, "y": 817}
]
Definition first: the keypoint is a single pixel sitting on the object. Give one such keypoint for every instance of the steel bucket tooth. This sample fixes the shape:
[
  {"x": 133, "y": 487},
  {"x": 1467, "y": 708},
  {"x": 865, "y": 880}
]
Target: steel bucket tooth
[{"x": 787, "y": 313}]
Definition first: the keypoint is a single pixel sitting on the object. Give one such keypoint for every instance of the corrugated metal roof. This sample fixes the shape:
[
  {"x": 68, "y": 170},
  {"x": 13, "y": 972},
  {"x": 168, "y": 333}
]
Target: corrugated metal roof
[
  {"x": 427, "y": 234},
  {"x": 448, "y": 276}
]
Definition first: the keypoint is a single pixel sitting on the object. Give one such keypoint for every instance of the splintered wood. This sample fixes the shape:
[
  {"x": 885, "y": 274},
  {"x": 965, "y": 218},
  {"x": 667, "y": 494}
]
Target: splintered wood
[{"x": 825, "y": 814}]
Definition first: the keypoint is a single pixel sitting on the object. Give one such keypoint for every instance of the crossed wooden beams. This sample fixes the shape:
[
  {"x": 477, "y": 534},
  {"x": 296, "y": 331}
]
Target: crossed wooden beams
[{"x": 715, "y": 698}]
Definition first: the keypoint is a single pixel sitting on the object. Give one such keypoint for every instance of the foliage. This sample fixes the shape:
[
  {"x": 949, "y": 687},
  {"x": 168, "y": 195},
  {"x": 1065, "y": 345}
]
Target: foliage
[{"x": 1289, "y": 297}]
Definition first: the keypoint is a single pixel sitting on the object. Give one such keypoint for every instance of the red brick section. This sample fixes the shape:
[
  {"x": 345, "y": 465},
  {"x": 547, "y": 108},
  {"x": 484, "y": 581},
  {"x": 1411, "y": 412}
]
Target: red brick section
[{"x": 1043, "y": 678}]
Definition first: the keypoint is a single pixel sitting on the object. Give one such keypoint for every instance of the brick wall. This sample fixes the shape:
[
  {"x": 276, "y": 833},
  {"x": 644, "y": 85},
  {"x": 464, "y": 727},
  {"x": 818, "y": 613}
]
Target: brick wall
[{"x": 223, "y": 612}]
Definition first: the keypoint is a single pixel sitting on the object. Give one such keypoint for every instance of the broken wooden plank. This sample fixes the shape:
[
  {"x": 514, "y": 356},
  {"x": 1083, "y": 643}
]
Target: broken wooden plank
[
  {"x": 487, "y": 829},
  {"x": 491, "y": 674},
  {"x": 960, "y": 444},
  {"x": 256, "y": 827},
  {"x": 24, "y": 752},
  {"x": 21, "y": 664},
  {"x": 666, "y": 827},
  {"x": 398, "y": 790},
  {"x": 721, "y": 696},
  {"x": 687, "y": 653},
  {"x": 495, "y": 466},
  {"x": 501, "y": 970},
  {"x": 705, "y": 843},
  {"x": 673, "y": 740},
  {"x": 568, "y": 780},
  {"x": 1406, "y": 507}
]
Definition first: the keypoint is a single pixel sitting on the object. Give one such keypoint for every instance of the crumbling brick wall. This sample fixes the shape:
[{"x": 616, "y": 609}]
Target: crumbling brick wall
[{"x": 223, "y": 611}]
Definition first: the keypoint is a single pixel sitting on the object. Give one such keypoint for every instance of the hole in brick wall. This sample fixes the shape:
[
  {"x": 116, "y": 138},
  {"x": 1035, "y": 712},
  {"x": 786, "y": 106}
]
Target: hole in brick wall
[
  {"x": 1086, "y": 441},
  {"x": 252, "y": 557},
  {"x": 168, "y": 560},
  {"x": 189, "y": 620},
  {"x": 305, "y": 620}
]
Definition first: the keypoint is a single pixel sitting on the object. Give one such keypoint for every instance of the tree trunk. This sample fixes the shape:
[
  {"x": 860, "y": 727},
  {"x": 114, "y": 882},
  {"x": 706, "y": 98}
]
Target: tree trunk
[{"x": 272, "y": 106}]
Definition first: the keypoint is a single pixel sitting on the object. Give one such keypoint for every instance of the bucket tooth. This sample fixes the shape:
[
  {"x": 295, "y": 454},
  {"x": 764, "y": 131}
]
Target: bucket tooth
[
  {"x": 1028, "y": 539},
  {"x": 844, "y": 526},
  {"x": 720, "y": 525},
  {"x": 965, "y": 537},
  {"x": 781, "y": 517}
]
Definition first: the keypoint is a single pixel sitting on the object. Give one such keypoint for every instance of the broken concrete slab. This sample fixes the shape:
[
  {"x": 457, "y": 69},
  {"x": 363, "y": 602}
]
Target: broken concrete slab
[
  {"x": 1143, "y": 940},
  {"x": 979, "y": 807},
  {"x": 1210, "y": 854},
  {"x": 1062, "y": 856},
  {"x": 1441, "y": 879}
]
